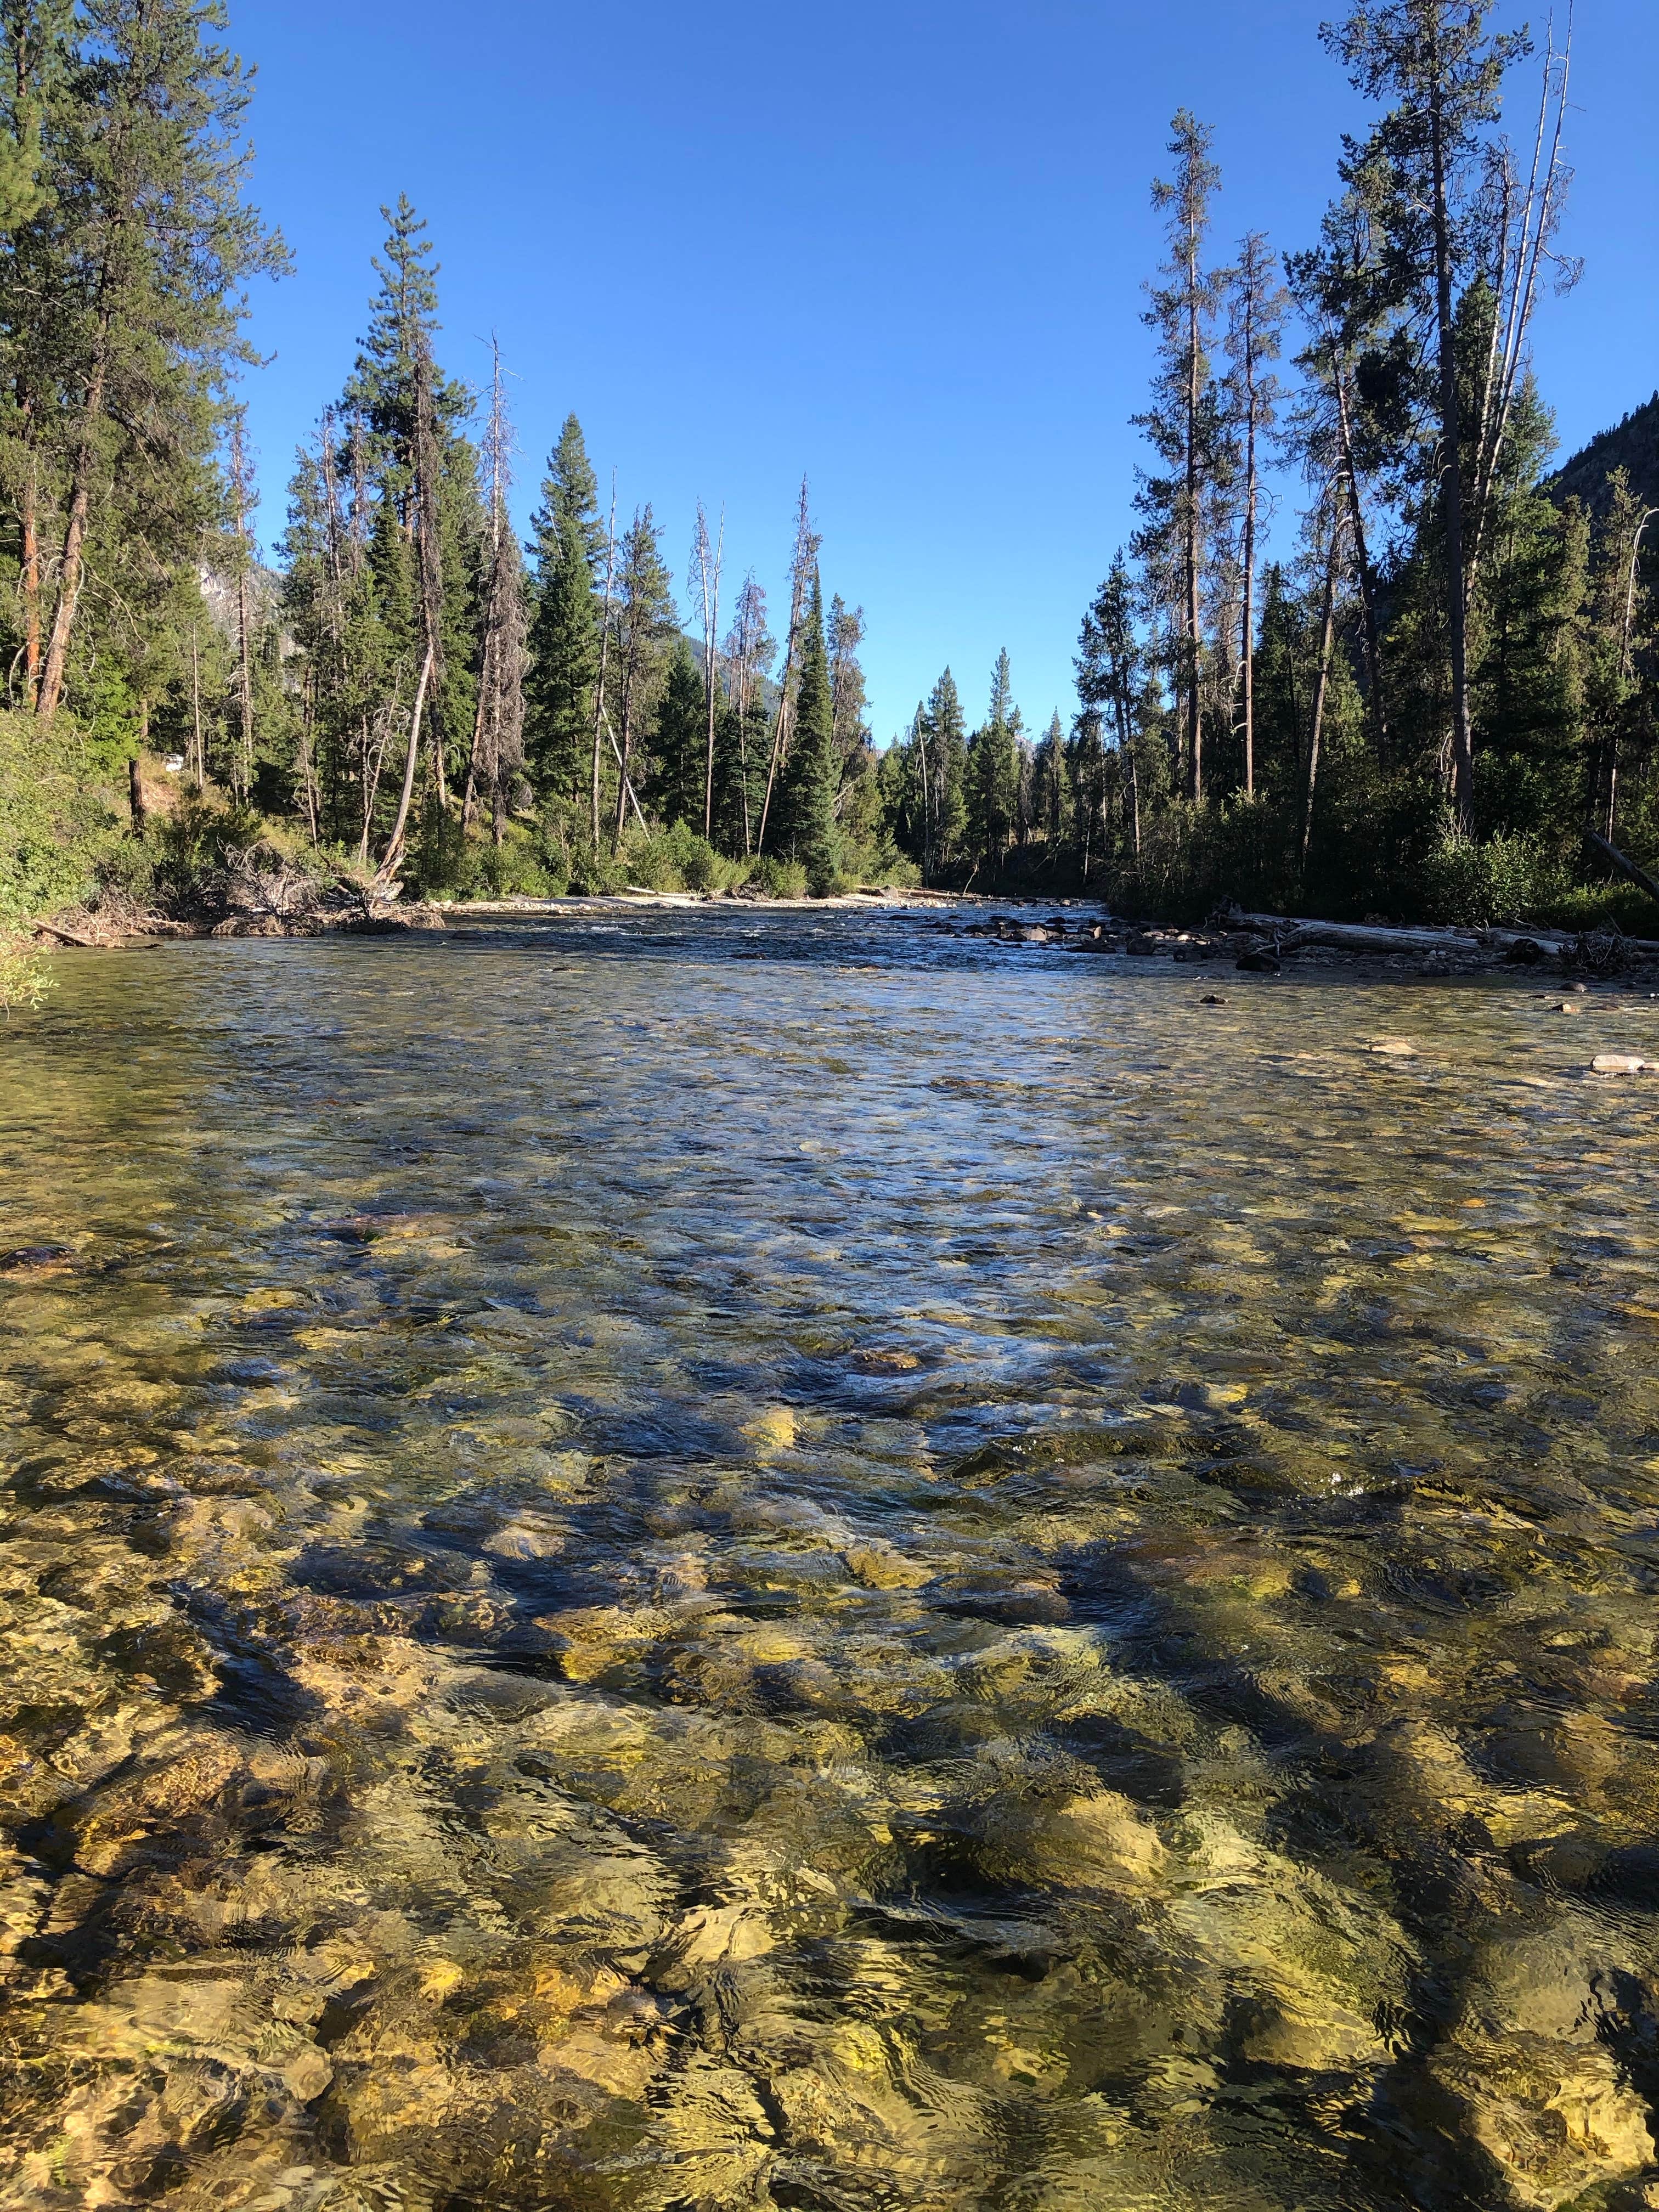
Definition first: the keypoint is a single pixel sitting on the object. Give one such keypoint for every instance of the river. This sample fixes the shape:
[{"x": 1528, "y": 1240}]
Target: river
[{"x": 725, "y": 1560}]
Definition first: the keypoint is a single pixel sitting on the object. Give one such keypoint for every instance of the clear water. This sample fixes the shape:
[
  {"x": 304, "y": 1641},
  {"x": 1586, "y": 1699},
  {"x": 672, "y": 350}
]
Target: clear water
[{"x": 708, "y": 1561}]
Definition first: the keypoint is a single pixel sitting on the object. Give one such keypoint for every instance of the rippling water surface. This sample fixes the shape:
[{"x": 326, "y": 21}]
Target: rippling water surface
[{"x": 704, "y": 1561}]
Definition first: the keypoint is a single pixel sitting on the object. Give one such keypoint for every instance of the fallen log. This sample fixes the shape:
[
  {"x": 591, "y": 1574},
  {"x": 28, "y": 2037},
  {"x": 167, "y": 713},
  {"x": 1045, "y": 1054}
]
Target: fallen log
[
  {"x": 1639, "y": 877},
  {"x": 70, "y": 936},
  {"x": 1289, "y": 936}
]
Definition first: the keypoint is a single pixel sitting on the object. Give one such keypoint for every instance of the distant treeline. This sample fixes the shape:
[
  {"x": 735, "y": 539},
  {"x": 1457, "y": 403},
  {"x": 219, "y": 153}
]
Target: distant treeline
[{"x": 1424, "y": 709}]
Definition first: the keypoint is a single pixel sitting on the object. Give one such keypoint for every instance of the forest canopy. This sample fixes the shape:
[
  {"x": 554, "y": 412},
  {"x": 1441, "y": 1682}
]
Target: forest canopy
[{"x": 1430, "y": 698}]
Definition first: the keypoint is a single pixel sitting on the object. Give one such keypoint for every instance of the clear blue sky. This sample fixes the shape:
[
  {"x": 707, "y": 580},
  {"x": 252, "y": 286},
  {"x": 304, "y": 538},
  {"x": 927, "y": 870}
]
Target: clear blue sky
[{"x": 896, "y": 247}]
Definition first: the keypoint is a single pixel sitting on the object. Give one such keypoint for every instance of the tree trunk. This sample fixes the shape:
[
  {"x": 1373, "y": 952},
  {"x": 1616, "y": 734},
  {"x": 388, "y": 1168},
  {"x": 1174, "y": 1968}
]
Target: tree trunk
[
  {"x": 29, "y": 517},
  {"x": 246, "y": 657},
  {"x": 394, "y": 851},
  {"x": 605, "y": 655},
  {"x": 1362, "y": 562},
  {"x": 198, "y": 758},
  {"x": 51, "y": 694},
  {"x": 1246, "y": 641},
  {"x": 1451, "y": 465},
  {"x": 1195, "y": 723},
  {"x": 926, "y": 817},
  {"x": 1327, "y": 630}
]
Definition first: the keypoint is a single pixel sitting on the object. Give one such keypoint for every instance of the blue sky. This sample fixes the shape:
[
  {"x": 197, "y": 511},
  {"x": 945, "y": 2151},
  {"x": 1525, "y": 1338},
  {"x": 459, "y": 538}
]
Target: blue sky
[{"x": 898, "y": 247}]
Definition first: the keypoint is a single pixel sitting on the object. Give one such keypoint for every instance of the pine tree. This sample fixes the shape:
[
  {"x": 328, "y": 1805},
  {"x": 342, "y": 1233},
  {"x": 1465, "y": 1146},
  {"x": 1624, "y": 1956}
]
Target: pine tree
[
  {"x": 122, "y": 283},
  {"x": 740, "y": 766},
  {"x": 1049, "y": 812},
  {"x": 845, "y": 635},
  {"x": 806, "y": 810},
  {"x": 993, "y": 771},
  {"x": 644, "y": 627},
  {"x": 1258, "y": 305},
  {"x": 677, "y": 785},
  {"x": 568, "y": 553},
  {"x": 1185, "y": 423},
  {"x": 1459, "y": 223},
  {"x": 945, "y": 741}
]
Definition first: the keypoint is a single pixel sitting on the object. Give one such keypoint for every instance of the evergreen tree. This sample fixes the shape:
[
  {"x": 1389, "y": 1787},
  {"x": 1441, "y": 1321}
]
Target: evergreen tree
[
  {"x": 844, "y": 635},
  {"x": 1185, "y": 423},
  {"x": 1258, "y": 305},
  {"x": 644, "y": 629},
  {"x": 742, "y": 733},
  {"x": 811, "y": 775},
  {"x": 569, "y": 552},
  {"x": 677, "y": 786},
  {"x": 121, "y": 297},
  {"x": 945, "y": 737},
  {"x": 1443, "y": 70},
  {"x": 993, "y": 791},
  {"x": 1049, "y": 810}
]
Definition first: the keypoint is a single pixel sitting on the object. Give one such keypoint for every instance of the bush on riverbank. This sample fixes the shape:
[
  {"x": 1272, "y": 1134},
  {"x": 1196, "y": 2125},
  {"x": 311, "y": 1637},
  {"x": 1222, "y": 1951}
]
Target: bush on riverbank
[{"x": 63, "y": 817}]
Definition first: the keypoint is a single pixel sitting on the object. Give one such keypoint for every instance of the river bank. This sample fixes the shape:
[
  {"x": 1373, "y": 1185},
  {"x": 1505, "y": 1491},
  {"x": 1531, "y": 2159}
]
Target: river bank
[{"x": 1252, "y": 944}]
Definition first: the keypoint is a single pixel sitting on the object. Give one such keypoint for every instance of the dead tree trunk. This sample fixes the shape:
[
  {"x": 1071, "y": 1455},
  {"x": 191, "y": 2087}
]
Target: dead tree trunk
[
  {"x": 1328, "y": 626},
  {"x": 1451, "y": 458},
  {"x": 706, "y": 569},
  {"x": 240, "y": 490},
  {"x": 605, "y": 655}
]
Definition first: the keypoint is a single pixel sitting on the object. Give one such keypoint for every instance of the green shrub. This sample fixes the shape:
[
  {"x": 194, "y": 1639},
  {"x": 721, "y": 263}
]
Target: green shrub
[
  {"x": 513, "y": 870},
  {"x": 62, "y": 821},
  {"x": 1497, "y": 880},
  {"x": 775, "y": 879},
  {"x": 25, "y": 978},
  {"x": 675, "y": 859}
]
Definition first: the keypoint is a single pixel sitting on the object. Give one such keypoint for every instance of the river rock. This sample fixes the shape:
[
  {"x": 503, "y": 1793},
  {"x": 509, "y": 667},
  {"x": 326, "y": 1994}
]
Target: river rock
[
  {"x": 1617, "y": 1063},
  {"x": 1555, "y": 2121}
]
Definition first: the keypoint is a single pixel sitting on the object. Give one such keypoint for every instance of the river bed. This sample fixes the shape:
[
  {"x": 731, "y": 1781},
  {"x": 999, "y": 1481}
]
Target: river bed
[{"x": 686, "y": 1561}]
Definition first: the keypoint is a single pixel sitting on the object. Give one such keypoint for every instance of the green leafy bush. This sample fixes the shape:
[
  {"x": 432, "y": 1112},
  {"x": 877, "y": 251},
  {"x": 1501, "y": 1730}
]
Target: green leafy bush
[
  {"x": 25, "y": 977},
  {"x": 1494, "y": 881},
  {"x": 676, "y": 859},
  {"x": 62, "y": 821},
  {"x": 775, "y": 879}
]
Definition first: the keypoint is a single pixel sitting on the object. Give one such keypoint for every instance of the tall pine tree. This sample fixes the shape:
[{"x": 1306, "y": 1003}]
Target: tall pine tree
[
  {"x": 806, "y": 830},
  {"x": 569, "y": 556}
]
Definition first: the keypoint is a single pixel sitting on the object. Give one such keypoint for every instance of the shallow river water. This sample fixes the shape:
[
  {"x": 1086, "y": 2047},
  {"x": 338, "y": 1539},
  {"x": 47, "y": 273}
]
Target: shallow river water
[{"x": 715, "y": 1561}]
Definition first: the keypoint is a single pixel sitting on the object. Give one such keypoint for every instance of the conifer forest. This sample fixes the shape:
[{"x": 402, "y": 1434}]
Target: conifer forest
[
  {"x": 1369, "y": 646},
  {"x": 751, "y": 1461}
]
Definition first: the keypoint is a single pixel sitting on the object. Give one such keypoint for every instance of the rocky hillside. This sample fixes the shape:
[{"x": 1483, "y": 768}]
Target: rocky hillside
[{"x": 1632, "y": 444}]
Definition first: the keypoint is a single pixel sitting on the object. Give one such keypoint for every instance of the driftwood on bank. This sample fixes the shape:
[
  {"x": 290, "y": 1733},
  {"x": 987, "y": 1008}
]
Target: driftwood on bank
[{"x": 1289, "y": 934}]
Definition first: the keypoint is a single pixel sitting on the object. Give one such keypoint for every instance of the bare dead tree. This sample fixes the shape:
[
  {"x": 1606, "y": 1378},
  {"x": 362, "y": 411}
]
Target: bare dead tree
[
  {"x": 498, "y": 725},
  {"x": 1259, "y": 303},
  {"x": 706, "y": 563},
  {"x": 428, "y": 563},
  {"x": 1523, "y": 221},
  {"x": 605, "y": 651},
  {"x": 748, "y": 651},
  {"x": 1332, "y": 512},
  {"x": 242, "y": 497}
]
